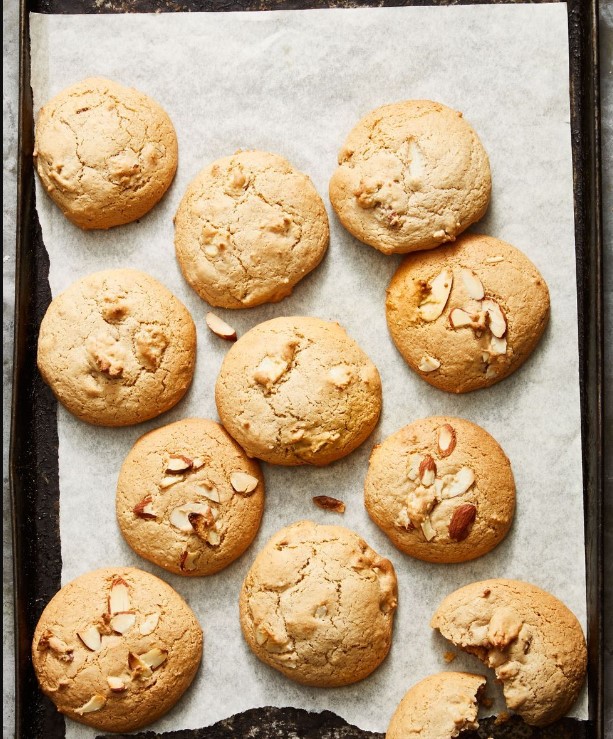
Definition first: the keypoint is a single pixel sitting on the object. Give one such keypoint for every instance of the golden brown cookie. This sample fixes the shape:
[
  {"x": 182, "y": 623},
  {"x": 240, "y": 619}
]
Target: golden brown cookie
[
  {"x": 105, "y": 153},
  {"x": 248, "y": 229},
  {"x": 438, "y": 707},
  {"x": 442, "y": 489},
  {"x": 468, "y": 314},
  {"x": 298, "y": 391},
  {"x": 411, "y": 176},
  {"x": 318, "y": 605},
  {"x": 117, "y": 348},
  {"x": 188, "y": 498},
  {"x": 531, "y": 639},
  {"x": 116, "y": 648}
]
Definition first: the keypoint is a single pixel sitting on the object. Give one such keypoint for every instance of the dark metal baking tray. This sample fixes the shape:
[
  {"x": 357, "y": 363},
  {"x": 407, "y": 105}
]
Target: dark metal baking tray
[{"x": 34, "y": 440}]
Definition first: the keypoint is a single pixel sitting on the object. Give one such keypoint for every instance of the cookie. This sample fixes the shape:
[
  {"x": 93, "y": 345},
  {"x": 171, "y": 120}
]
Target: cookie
[
  {"x": 531, "y": 639},
  {"x": 248, "y": 229},
  {"x": 468, "y": 314},
  {"x": 117, "y": 348},
  {"x": 442, "y": 490},
  {"x": 318, "y": 605},
  {"x": 438, "y": 707},
  {"x": 188, "y": 498},
  {"x": 116, "y": 648},
  {"x": 105, "y": 153},
  {"x": 297, "y": 391},
  {"x": 411, "y": 176}
]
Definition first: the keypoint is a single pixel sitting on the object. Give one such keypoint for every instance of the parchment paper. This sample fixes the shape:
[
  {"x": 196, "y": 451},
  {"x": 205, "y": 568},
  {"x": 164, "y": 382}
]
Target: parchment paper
[{"x": 295, "y": 82}]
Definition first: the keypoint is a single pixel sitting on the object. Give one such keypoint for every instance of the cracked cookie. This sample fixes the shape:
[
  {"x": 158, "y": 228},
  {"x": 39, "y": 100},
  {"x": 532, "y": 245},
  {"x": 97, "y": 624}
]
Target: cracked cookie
[
  {"x": 116, "y": 648},
  {"x": 442, "y": 490},
  {"x": 117, "y": 348},
  {"x": 534, "y": 643},
  {"x": 248, "y": 229},
  {"x": 439, "y": 707},
  {"x": 105, "y": 153},
  {"x": 188, "y": 498},
  {"x": 411, "y": 176},
  {"x": 318, "y": 605},
  {"x": 297, "y": 391},
  {"x": 468, "y": 314}
]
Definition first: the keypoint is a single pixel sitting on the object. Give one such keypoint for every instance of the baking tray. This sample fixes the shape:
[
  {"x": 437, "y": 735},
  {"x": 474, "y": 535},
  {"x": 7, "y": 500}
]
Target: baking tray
[{"x": 33, "y": 466}]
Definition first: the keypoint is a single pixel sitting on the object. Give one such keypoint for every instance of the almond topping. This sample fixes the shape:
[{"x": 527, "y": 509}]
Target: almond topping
[
  {"x": 188, "y": 560},
  {"x": 428, "y": 363},
  {"x": 460, "y": 483},
  {"x": 48, "y": 640},
  {"x": 498, "y": 346},
  {"x": 213, "y": 538},
  {"x": 461, "y": 521},
  {"x": 473, "y": 284},
  {"x": 119, "y": 597},
  {"x": 179, "y": 517},
  {"x": 459, "y": 318},
  {"x": 144, "y": 509},
  {"x": 154, "y": 657},
  {"x": 91, "y": 638},
  {"x": 197, "y": 463},
  {"x": 446, "y": 440},
  {"x": 123, "y": 622},
  {"x": 404, "y": 521},
  {"x": 497, "y": 321},
  {"x": 220, "y": 328},
  {"x": 166, "y": 482},
  {"x": 211, "y": 494},
  {"x": 243, "y": 483},
  {"x": 138, "y": 667},
  {"x": 150, "y": 623},
  {"x": 329, "y": 504},
  {"x": 201, "y": 523},
  {"x": 490, "y": 373},
  {"x": 428, "y": 530},
  {"x": 427, "y": 471},
  {"x": 178, "y": 463},
  {"x": 116, "y": 684},
  {"x": 433, "y": 304},
  {"x": 494, "y": 260},
  {"x": 95, "y": 703},
  {"x": 413, "y": 467}
]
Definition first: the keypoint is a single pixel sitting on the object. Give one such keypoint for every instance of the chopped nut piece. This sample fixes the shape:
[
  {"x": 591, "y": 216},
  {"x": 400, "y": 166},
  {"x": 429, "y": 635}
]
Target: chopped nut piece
[
  {"x": 341, "y": 376},
  {"x": 220, "y": 328},
  {"x": 116, "y": 684},
  {"x": 49, "y": 641},
  {"x": 428, "y": 363},
  {"x": 91, "y": 638},
  {"x": 504, "y": 627},
  {"x": 433, "y": 304},
  {"x": 446, "y": 440},
  {"x": 201, "y": 523},
  {"x": 243, "y": 483},
  {"x": 497, "y": 321},
  {"x": 138, "y": 667},
  {"x": 404, "y": 521},
  {"x": 460, "y": 483},
  {"x": 154, "y": 657},
  {"x": 413, "y": 466},
  {"x": 166, "y": 482},
  {"x": 144, "y": 509},
  {"x": 494, "y": 260},
  {"x": 123, "y": 622},
  {"x": 461, "y": 521},
  {"x": 427, "y": 471},
  {"x": 321, "y": 611},
  {"x": 490, "y": 373},
  {"x": 498, "y": 346},
  {"x": 329, "y": 504},
  {"x": 473, "y": 284},
  {"x": 269, "y": 370},
  {"x": 428, "y": 530},
  {"x": 119, "y": 597},
  {"x": 211, "y": 494},
  {"x": 213, "y": 538},
  {"x": 95, "y": 703},
  {"x": 188, "y": 560},
  {"x": 150, "y": 623},
  {"x": 179, "y": 517},
  {"x": 197, "y": 463},
  {"x": 179, "y": 463}
]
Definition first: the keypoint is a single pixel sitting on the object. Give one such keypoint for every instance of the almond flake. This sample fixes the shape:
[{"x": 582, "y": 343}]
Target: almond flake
[
  {"x": 138, "y": 667},
  {"x": 119, "y": 597},
  {"x": 150, "y": 623},
  {"x": 490, "y": 373},
  {"x": 144, "y": 509},
  {"x": 49, "y": 641},
  {"x": 243, "y": 483},
  {"x": 413, "y": 468},
  {"x": 428, "y": 363},
  {"x": 494, "y": 260},
  {"x": 433, "y": 304},
  {"x": 197, "y": 463},
  {"x": 188, "y": 560},
  {"x": 497, "y": 321},
  {"x": 461, "y": 482},
  {"x": 459, "y": 318},
  {"x": 154, "y": 657},
  {"x": 178, "y": 464},
  {"x": 473, "y": 284},
  {"x": 446, "y": 440},
  {"x": 95, "y": 703},
  {"x": 404, "y": 521},
  {"x": 220, "y": 328},
  {"x": 91, "y": 638},
  {"x": 498, "y": 346},
  {"x": 116, "y": 684},
  {"x": 179, "y": 517},
  {"x": 214, "y": 539},
  {"x": 166, "y": 482},
  {"x": 123, "y": 622},
  {"x": 428, "y": 530}
]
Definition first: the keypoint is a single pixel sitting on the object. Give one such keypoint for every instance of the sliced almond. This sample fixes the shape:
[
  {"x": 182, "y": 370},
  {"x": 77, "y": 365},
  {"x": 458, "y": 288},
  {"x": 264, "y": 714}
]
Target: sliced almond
[
  {"x": 138, "y": 667},
  {"x": 123, "y": 622},
  {"x": 49, "y": 641},
  {"x": 150, "y": 623},
  {"x": 461, "y": 521},
  {"x": 95, "y": 703},
  {"x": 211, "y": 494},
  {"x": 446, "y": 440},
  {"x": 497, "y": 321},
  {"x": 220, "y": 328},
  {"x": 197, "y": 463},
  {"x": 144, "y": 509},
  {"x": 427, "y": 471},
  {"x": 460, "y": 483},
  {"x": 167, "y": 482},
  {"x": 459, "y": 318},
  {"x": 404, "y": 521},
  {"x": 473, "y": 284},
  {"x": 188, "y": 560},
  {"x": 119, "y": 597},
  {"x": 243, "y": 483},
  {"x": 433, "y": 304},
  {"x": 214, "y": 539},
  {"x": 428, "y": 530},
  {"x": 494, "y": 260},
  {"x": 178, "y": 464},
  {"x": 179, "y": 517},
  {"x": 327, "y": 503},
  {"x": 91, "y": 638},
  {"x": 154, "y": 657},
  {"x": 116, "y": 684},
  {"x": 428, "y": 363},
  {"x": 490, "y": 373},
  {"x": 413, "y": 466},
  {"x": 498, "y": 346},
  {"x": 201, "y": 523}
]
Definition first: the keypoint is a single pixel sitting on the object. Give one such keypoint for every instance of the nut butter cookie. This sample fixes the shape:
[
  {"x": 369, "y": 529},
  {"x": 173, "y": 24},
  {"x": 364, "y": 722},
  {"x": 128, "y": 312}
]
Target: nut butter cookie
[
  {"x": 468, "y": 314},
  {"x": 298, "y": 391},
  {"x": 411, "y": 176},
  {"x": 116, "y": 648},
  {"x": 318, "y": 605},
  {"x": 188, "y": 498},
  {"x": 438, "y": 707},
  {"x": 442, "y": 490},
  {"x": 117, "y": 348},
  {"x": 248, "y": 229},
  {"x": 105, "y": 153},
  {"x": 534, "y": 643}
]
